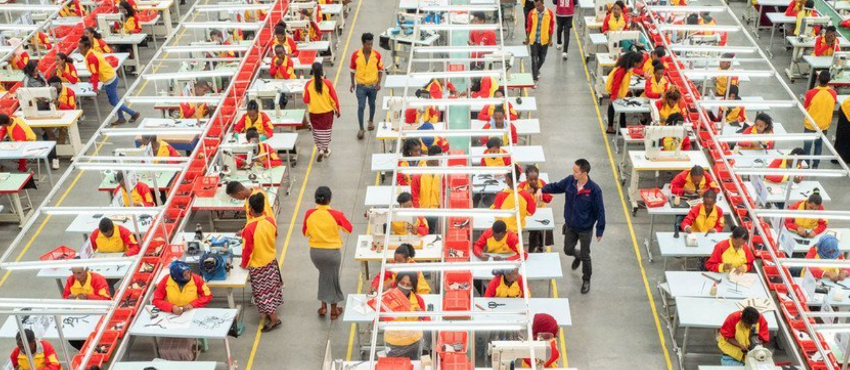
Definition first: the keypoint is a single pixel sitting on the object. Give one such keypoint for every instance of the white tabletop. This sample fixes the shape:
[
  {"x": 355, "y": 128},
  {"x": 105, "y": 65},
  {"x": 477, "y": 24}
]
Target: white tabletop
[
  {"x": 710, "y": 313},
  {"x": 208, "y": 323},
  {"x": 27, "y": 149},
  {"x": 401, "y": 81},
  {"x": 526, "y": 104},
  {"x": 756, "y": 158},
  {"x": 676, "y": 247},
  {"x": 73, "y": 327},
  {"x": 109, "y": 272},
  {"x": 542, "y": 219},
  {"x": 809, "y": 42},
  {"x": 694, "y": 284},
  {"x": 640, "y": 163},
  {"x": 818, "y": 62},
  {"x": 732, "y": 130},
  {"x": 223, "y": 202},
  {"x": 237, "y": 277},
  {"x": 432, "y": 251},
  {"x": 165, "y": 365},
  {"x": 622, "y": 106},
  {"x": 538, "y": 266},
  {"x": 490, "y": 184},
  {"x": 314, "y": 45},
  {"x": 522, "y": 154},
  {"x": 280, "y": 141},
  {"x": 270, "y": 87},
  {"x": 598, "y": 39},
  {"x": 804, "y": 244},
  {"x": 780, "y": 18},
  {"x": 527, "y": 126},
  {"x": 413, "y": 4},
  {"x": 382, "y": 196},
  {"x": 182, "y": 237},
  {"x": 86, "y": 223},
  {"x": 385, "y": 131},
  {"x": 67, "y": 118},
  {"x": 127, "y": 39},
  {"x": 801, "y": 191},
  {"x": 669, "y": 210}
]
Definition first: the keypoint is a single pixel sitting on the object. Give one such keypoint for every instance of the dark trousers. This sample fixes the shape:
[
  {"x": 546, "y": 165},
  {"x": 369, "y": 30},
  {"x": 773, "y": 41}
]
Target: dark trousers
[
  {"x": 571, "y": 238},
  {"x": 565, "y": 25},
  {"x": 611, "y": 116},
  {"x": 538, "y": 56},
  {"x": 365, "y": 94},
  {"x": 807, "y": 147},
  {"x": 433, "y": 225}
]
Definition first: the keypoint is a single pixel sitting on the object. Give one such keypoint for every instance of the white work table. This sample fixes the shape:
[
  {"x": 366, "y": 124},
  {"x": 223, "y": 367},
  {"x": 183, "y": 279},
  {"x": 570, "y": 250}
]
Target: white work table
[
  {"x": 671, "y": 246},
  {"x": 67, "y": 119},
  {"x": 521, "y": 154},
  {"x": 268, "y": 88},
  {"x": 208, "y": 323},
  {"x": 73, "y": 327},
  {"x": 490, "y": 184},
  {"x": 641, "y": 163},
  {"x": 801, "y": 191},
  {"x": 538, "y": 266},
  {"x": 542, "y": 219},
  {"x": 382, "y": 196},
  {"x": 432, "y": 251},
  {"x": 86, "y": 223},
  {"x": 38, "y": 150},
  {"x": 526, "y": 104},
  {"x": 802, "y": 245},
  {"x": 694, "y": 284},
  {"x": 524, "y": 127}
]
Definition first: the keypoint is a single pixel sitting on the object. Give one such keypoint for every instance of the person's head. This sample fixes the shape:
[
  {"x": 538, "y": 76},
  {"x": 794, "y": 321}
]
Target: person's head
[
  {"x": 433, "y": 151},
  {"x": 706, "y": 17},
  {"x": 657, "y": 70},
  {"x": 4, "y": 119},
  {"x": 581, "y": 169},
  {"x": 810, "y": 4},
  {"x": 367, "y": 39},
  {"x": 538, "y": 4},
  {"x": 479, "y": 17},
  {"x": 257, "y": 203},
  {"x": 532, "y": 173},
  {"x": 216, "y": 36},
  {"x": 202, "y": 88},
  {"x": 657, "y": 53},
  {"x": 180, "y": 272},
  {"x": 125, "y": 8},
  {"x": 733, "y": 92},
  {"x": 494, "y": 143},
  {"x": 84, "y": 45},
  {"x": 750, "y": 315},
  {"x": 827, "y": 248},
  {"x": 500, "y": 229},
  {"x": 672, "y": 96},
  {"x": 764, "y": 123},
  {"x": 149, "y": 139},
  {"x": 106, "y": 227},
  {"x": 406, "y": 281},
  {"x": 674, "y": 119},
  {"x": 823, "y": 78},
  {"x": 794, "y": 152},
  {"x": 617, "y": 8},
  {"x": 323, "y": 195},
  {"x": 91, "y": 33},
  {"x": 253, "y": 110},
  {"x": 740, "y": 235},
  {"x": 692, "y": 19},
  {"x": 697, "y": 173},
  {"x": 509, "y": 180},
  {"x": 236, "y": 190},
  {"x": 829, "y": 35},
  {"x": 814, "y": 202},
  {"x": 499, "y": 117},
  {"x": 498, "y": 93},
  {"x": 709, "y": 198},
  {"x": 280, "y": 32},
  {"x": 510, "y": 276},
  {"x": 56, "y": 83},
  {"x": 411, "y": 148},
  {"x": 31, "y": 68},
  {"x": 279, "y": 51},
  {"x": 544, "y": 325},
  {"x": 63, "y": 58},
  {"x": 726, "y": 63},
  {"x": 30, "y": 336},
  {"x": 404, "y": 253},
  {"x": 318, "y": 73},
  {"x": 405, "y": 200},
  {"x": 252, "y": 135},
  {"x": 80, "y": 273}
]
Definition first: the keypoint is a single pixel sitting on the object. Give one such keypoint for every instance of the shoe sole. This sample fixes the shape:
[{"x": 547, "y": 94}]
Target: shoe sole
[{"x": 321, "y": 156}]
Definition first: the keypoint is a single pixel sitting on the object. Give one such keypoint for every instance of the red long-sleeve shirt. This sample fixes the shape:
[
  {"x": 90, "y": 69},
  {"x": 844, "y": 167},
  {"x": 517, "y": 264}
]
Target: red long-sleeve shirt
[
  {"x": 511, "y": 240},
  {"x": 48, "y": 359},
  {"x": 168, "y": 294},
  {"x": 69, "y": 74},
  {"x": 497, "y": 281},
  {"x": 791, "y": 222},
  {"x": 677, "y": 186},
  {"x": 129, "y": 242},
  {"x": 816, "y": 271},
  {"x": 824, "y": 49},
  {"x": 98, "y": 284},
  {"x": 716, "y": 259},
  {"x": 242, "y": 125},
  {"x": 514, "y": 136}
]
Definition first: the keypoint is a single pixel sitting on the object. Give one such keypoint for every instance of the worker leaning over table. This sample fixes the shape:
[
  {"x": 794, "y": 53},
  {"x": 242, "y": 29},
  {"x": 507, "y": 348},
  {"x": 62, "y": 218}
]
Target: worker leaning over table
[
  {"x": 253, "y": 118},
  {"x": 179, "y": 292},
  {"x": 807, "y": 227},
  {"x": 140, "y": 196},
  {"x": 111, "y": 238},
  {"x": 259, "y": 257},
  {"x": 420, "y": 226},
  {"x": 737, "y": 333},
  {"x": 407, "y": 343},
  {"x": 705, "y": 217},
  {"x": 16, "y": 130},
  {"x": 86, "y": 285},
  {"x": 827, "y": 249},
  {"x": 695, "y": 181},
  {"x": 508, "y": 198},
  {"x": 538, "y": 240},
  {"x": 405, "y": 253},
  {"x": 103, "y": 73},
  {"x": 196, "y": 110},
  {"x": 41, "y": 350},
  {"x": 506, "y": 284},
  {"x": 498, "y": 240},
  {"x": 544, "y": 327},
  {"x": 428, "y": 189},
  {"x": 732, "y": 254}
]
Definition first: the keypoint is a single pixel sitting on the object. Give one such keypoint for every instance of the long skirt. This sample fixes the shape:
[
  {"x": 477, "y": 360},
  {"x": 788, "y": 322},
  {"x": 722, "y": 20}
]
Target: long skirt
[
  {"x": 266, "y": 287},
  {"x": 322, "y": 127},
  {"x": 178, "y": 349},
  {"x": 842, "y": 137},
  {"x": 328, "y": 262}
]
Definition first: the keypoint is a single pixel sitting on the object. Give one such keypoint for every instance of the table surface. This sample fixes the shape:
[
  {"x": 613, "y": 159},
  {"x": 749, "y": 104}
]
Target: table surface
[
  {"x": 287, "y": 117},
  {"x": 694, "y": 284},
  {"x": 68, "y": 118},
  {"x": 314, "y": 45},
  {"x": 382, "y": 196},
  {"x": 13, "y": 182},
  {"x": 526, "y": 126},
  {"x": 527, "y": 104},
  {"x": 780, "y": 18},
  {"x": 181, "y": 237},
  {"x": 269, "y": 85},
  {"x": 732, "y": 130},
  {"x": 208, "y": 323},
  {"x": 538, "y": 266},
  {"x": 803, "y": 245},
  {"x": 126, "y": 39},
  {"x": 163, "y": 179},
  {"x": 801, "y": 191},
  {"x": 485, "y": 184},
  {"x": 523, "y": 154},
  {"x": 235, "y": 278},
  {"x": 86, "y": 223},
  {"x": 280, "y": 141},
  {"x": 809, "y": 43},
  {"x": 817, "y": 62},
  {"x": 165, "y": 365},
  {"x": 73, "y": 327},
  {"x": 223, "y": 202},
  {"x": 27, "y": 149},
  {"x": 670, "y": 210},
  {"x": 266, "y": 176},
  {"x": 385, "y": 131},
  {"x": 640, "y": 163},
  {"x": 709, "y": 313},
  {"x": 542, "y": 219},
  {"x": 675, "y": 247},
  {"x": 364, "y": 252},
  {"x": 109, "y": 272}
]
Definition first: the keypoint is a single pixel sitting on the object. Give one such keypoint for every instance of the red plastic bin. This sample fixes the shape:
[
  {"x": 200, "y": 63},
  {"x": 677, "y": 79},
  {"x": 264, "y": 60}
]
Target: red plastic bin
[
  {"x": 394, "y": 363},
  {"x": 457, "y": 300},
  {"x": 60, "y": 253},
  {"x": 452, "y": 338},
  {"x": 455, "y": 361},
  {"x": 452, "y": 277},
  {"x": 106, "y": 345},
  {"x": 205, "y": 187},
  {"x": 94, "y": 360},
  {"x": 120, "y": 321},
  {"x": 653, "y": 197}
]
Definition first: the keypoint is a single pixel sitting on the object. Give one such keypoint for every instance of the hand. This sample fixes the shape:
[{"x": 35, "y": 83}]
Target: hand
[
  {"x": 188, "y": 307},
  {"x": 688, "y": 192},
  {"x": 525, "y": 42},
  {"x": 830, "y": 275},
  {"x": 741, "y": 269},
  {"x": 688, "y": 229},
  {"x": 801, "y": 232},
  {"x": 798, "y": 179},
  {"x": 498, "y": 258},
  {"x": 336, "y": 113},
  {"x": 176, "y": 310},
  {"x": 550, "y": 43},
  {"x": 351, "y": 89},
  {"x": 712, "y": 231},
  {"x": 727, "y": 267},
  {"x": 599, "y": 238},
  {"x": 810, "y": 234},
  {"x": 378, "y": 87},
  {"x": 843, "y": 275}
]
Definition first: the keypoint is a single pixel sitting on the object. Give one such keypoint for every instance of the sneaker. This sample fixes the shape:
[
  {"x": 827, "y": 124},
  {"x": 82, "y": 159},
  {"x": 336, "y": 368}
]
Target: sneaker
[
  {"x": 371, "y": 126},
  {"x": 585, "y": 287},
  {"x": 135, "y": 117},
  {"x": 360, "y": 134},
  {"x": 327, "y": 153},
  {"x": 321, "y": 156},
  {"x": 55, "y": 163},
  {"x": 119, "y": 121},
  {"x": 576, "y": 264},
  {"x": 564, "y": 56},
  {"x": 558, "y": 46}
]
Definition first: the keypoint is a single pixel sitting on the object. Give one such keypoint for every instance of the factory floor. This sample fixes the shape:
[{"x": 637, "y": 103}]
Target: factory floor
[{"x": 616, "y": 326}]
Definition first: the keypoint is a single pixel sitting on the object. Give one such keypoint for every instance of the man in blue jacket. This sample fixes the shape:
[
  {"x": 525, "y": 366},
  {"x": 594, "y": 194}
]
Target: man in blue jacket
[{"x": 583, "y": 207}]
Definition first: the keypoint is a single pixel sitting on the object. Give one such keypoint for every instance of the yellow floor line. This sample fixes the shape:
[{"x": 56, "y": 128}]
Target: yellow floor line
[{"x": 623, "y": 202}]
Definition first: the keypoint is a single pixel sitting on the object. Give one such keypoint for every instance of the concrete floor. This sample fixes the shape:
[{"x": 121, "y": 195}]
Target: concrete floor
[{"x": 614, "y": 327}]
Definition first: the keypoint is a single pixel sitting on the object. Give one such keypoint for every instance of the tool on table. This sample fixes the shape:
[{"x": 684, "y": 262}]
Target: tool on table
[
  {"x": 712, "y": 278},
  {"x": 495, "y": 305}
]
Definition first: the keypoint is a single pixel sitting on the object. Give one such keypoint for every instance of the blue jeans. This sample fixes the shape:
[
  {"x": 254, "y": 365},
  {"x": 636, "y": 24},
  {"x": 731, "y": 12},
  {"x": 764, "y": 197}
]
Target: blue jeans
[
  {"x": 112, "y": 94},
  {"x": 807, "y": 146},
  {"x": 363, "y": 93},
  {"x": 729, "y": 361}
]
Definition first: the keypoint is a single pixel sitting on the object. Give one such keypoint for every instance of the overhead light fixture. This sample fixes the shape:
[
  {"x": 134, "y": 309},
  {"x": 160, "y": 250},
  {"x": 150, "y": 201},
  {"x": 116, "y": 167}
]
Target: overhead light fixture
[
  {"x": 454, "y": 170},
  {"x": 17, "y": 27},
  {"x": 75, "y": 211},
  {"x": 790, "y": 172},
  {"x": 250, "y": 26},
  {"x": 453, "y": 133},
  {"x": 156, "y": 99},
  {"x": 456, "y": 49},
  {"x": 691, "y": 73},
  {"x": 456, "y": 74},
  {"x": 55, "y": 303},
  {"x": 787, "y": 213},
  {"x": 765, "y": 137},
  {"x": 56, "y": 264},
  {"x": 205, "y": 48},
  {"x": 113, "y": 158},
  {"x": 458, "y": 8},
  {"x": 188, "y": 75},
  {"x": 458, "y": 325},
  {"x": 460, "y": 27},
  {"x": 713, "y": 49},
  {"x": 231, "y": 7},
  {"x": 473, "y": 102},
  {"x": 809, "y": 262},
  {"x": 99, "y": 166},
  {"x": 151, "y": 131},
  {"x": 451, "y": 212},
  {"x": 686, "y": 9},
  {"x": 746, "y": 104},
  {"x": 28, "y": 8}
]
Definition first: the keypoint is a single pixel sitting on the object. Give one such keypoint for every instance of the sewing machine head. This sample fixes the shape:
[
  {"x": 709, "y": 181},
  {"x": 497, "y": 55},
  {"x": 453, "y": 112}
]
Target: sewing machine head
[
  {"x": 808, "y": 24},
  {"x": 759, "y": 358},
  {"x": 654, "y": 137},
  {"x": 29, "y": 97},
  {"x": 615, "y": 38},
  {"x": 407, "y": 23},
  {"x": 504, "y": 353},
  {"x": 296, "y": 7},
  {"x": 105, "y": 22},
  {"x": 497, "y": 59},
  {"x": 395, "y": 105},
  {"x": 839, "y": 63}
]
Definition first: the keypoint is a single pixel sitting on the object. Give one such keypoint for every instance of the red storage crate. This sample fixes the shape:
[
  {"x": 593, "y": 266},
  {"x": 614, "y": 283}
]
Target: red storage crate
[
  {"x": 455, "y": 361},
  {"x": 457, "y": 300},
  {"x": 173, "y": 214},
  {"x": 457, "y": 277},
  {"x": 170, "y": 253},
  {"x": 460, "y": 200},
  {"x": 206, "y": 186},
  {"x": 452, "y": 338},
  {"x": 392, "y": 300},
  {"x": 119, "y": 322},
  {"x": 653, "y": 197},
  {"x": 141, "y": 281},
  {"x": 150, "y": 265},
  {"x": 94, "y": 360},
  {"x": 394, "y": 363},
  {"x": 59, "y": 253},
  {"x": 131, "y": 300},
  {"x": 457, "y": 181},
  {"x": 104, "y": 347},
  {"x": 455, "y": 254},
  {"x": 181, "y": 201},
  {"x": 457, "y": 161}
]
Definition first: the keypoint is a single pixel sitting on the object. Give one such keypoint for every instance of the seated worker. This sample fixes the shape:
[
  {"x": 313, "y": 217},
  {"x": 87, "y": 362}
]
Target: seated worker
[
  {"x": 428, "y": 190},
  {"x": 647, "y": 68},
  {"x": 159, "y": 148},
  {"x": 407, "y": 343},
  {"x": 426, "y": 142},
  {"x": 693, "y": 182},
  {"x": 256, "y": 119},
  {"x": 498, "y": 240},
  {"x": 498, "y": 123},
  {"x": 195, "y": 110},
  {"x": 807, "y": 227},
  {"x": 505, "y": 284},
  {"x": 763, "y": 125},
  {"x": 505, "y": 200},
  {"x": 670, "y": 143},
  {"x": 827, "y": 249},
  {"x": 140, "y": 196},
  {"x": 671, "y": 102},
  {"x": 486, "y": 113},
  {"x": 785, "y": 163},
  {"x": 66, "y": 99},
  {"x": 420, "y": 226},
  {"x": 732, "y": 254},
  {"x": 177, "y": 293},
  {"x": 73, "y": 9},
  {"x": 429, "y": 114},
  {"x": 20, "y": 57},
  {"x": 734, "y": 115},
  {"x": 281, "y": 67},
  {"x": 281, "y": 37},
  {"x": 616, "y": 19},
  {"x": 544, "y": 327},
  {"x": 97, "y": 42},
  {"x": 537, "y": 239},
  {"x": 312, "y": 33},
  {"x": 411, "y": 149},
  {"x": 16, "y": 130},
  {"x": 617, "y": 85},
  {"x": 485, "y": 88},
  {"x": 794, "y": 7},
  {"x": 42, "y": 352},
  {"x": 65, "y": 69},
  {"x": 106, "y": 239},
  {"x": 737, "y": 334},
  {"x": 807, "y": 11},
  {"x": 436, "y": 90},
  {"x": 84, "y": 284},
  {"x": 494, "y": 146},
  {"x": 217, "y": 37},
  {"x": 480, "y": 38},
  {"x": 722, "y": 83},
  {"x": 238, "y": 191},
  {"x": 656, "y": 84},
  {"x": 403, "y": 254},
  {"x": 706, "y": 217},
  {"x": 827, "y": 44},
  {"x": 265, "y": 156}
]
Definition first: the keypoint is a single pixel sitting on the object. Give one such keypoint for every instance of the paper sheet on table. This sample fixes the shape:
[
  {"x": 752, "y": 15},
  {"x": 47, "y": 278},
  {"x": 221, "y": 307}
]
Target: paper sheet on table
[
  {"x": 743, "y": 280},
  {"x": 762, "y": 304},
  {"x": 183, "y": 321},
  {"x": 10, "y": 146}
]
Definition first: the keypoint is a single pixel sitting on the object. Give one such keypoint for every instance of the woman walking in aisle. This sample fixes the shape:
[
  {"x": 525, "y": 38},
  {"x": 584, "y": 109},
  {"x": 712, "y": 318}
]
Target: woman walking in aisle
[
  {"x": 259, "y": 257},
  {"x": 322, "y": 227},
  {"x": 323, "y": 105}
]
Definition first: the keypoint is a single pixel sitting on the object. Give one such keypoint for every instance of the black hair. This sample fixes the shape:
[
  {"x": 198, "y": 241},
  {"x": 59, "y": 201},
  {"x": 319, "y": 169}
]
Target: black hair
[
  {"x": 479, "y": 15},
  {"x": 797, "y": 151},
  {"x": 409, "y": 146},
  {"x": 279, "y": 46},
  {"x": 816, "y": 199},
  {"x": 105, "y": 225},
  {"x": 316, "y": 71},
  {"x": 234, "y": 187},
  {"x": 531, "y": 168},
  {"x": 30, "y": 67},
  {"x": 4, "y": 119},
  {"x": 30, "y": 337},
  {"x": 257, "y": 202},
  {"x": 130, "y": 11},
  {"x": 323, "y": 195},
  {"x": 697, "y": 170},
  {"x": 629, "y": 60},
  {"x": 94, "y": 32},
  {"x": 215, "y": 32},
  {"x": 675, "y": 119},
  {"x": 406, "y": 250},
  {"x": 693, "y": 18},
  {"x": 414, "y": 279},
  {"x": 710, "y": 193},
  {"x": 740, "y": 232},
  {"x": 764, "y": 117},
  {"x": 54, "y": 80},
  {"x": 499, "y": 90},
  {"x": 119, "y": 176},
  {"x": 824, "y": 77},
  {"x": 498, "y": 109},
  {"x": 621, "y": 4},
  {"x": 252, "y": 133},
  {"x": 85, "y": 43},
  {"x": 659, "y": 52},
  {"x": 583, "y": 165},
  {"x": 279, "y": 29},
  {"x": 657, "y": 66},
  {"x": 499, "y": 226},
  {"x": 404, "y": 197},
  {"x": 831, "y": 29},
  {"x": 810, "y": 4},
  {"x": 253, "y": 105},
  {"x": 750, "y": 315},
  {"x": 149, "y": 138},
  {"x": 63, "y": 56},
  {"x": 366, "y": 37},
  {"x": 434, "y": 150},
  {"x": 493, "y": 142},
  {"x": 733, "y": 90}
]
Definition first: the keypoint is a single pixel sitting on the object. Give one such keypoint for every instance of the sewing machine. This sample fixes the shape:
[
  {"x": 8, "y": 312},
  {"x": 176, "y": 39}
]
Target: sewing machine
[
  {"x": 808, "y": 24},
  {"x": 395, "y": 106},
  {"x": 759, "y": 358},
  {"x": 31, "y": 97},
  {"x": 378, "y": 224},
  {"x": 495, "y": 60},
  {"x": 295, "y": 8},
  {"x": 615, "y": 37},
  {"x": 407, "y": 24},
  {"x": 653, "y": 138},
  {"x": 503, "y": 353},
  {"x": 105, "y": 24},
  {"x": 839, "y": 64}
]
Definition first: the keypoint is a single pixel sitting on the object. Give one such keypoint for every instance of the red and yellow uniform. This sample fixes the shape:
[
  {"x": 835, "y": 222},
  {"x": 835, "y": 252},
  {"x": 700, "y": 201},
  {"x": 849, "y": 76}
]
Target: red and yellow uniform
[
  {"x": 313, "y": 32},
  {"x": 401, "y": 338},
  {"x": 19, "y": 61},
  {"x": 435, "y": 88},
  {"x": 669, "y": 144},
  {"x": 794, "y": 7},
  {"x": 427, "y": 190},
  {"x": 754, "y": 145},
  {"x": 320, "y": 102},
  {"x": 552, "y": 362},
  {"x": 438, "y": 141},
  {"x": 547, "y": 27},
  {"x": 69, "y": 74},
  {"x": 683, "y": 182},
  {"x": 263, "y": 124},
  {"x": 429, "y": 114},
  {"x": 73, "y": 9},
  {"x": 822, "y": 49},
  {"x": 817, "y": 225},
  {"x": 266, "y": 157},
  {"x": 165, "y": 150},
  {"x": 95, "y": 287},
  {"x": 681, "y": 3},
  {"x": 508, "y": 245},
  {"x": 496, "y": 161},
  {"x": 17, "y": 130},
  {"x": 805, "y": 13},
  {"x": 267, "y": 207},
  {"x": 820, "y": 103},
  {"x": 505, "y": 200},
  {"x": 779, "y": 163},
  {"x": 366, "y": 70},
  {"x": 544, "y": 198},
  {"x": 487, "y": 112},
  {"x": 45, "y": 358},
  {"x": 289, "y": 45},
  {"x": 720, "y": 83},
  {"x": 498, "y": 289},
  {"x": 654, "y": 88},
  {"x": 401, "y": 227},
  {"x": 403, "y": 179},
  {"x": 121, "y": 241},
  {"x": 481, "y": 38},
  {"x": 283, "y": 71},
  {"x": 67, "y": 99},
  {"x": 169, "y": 294},
  {"x": 100, "y": 46},
  {"x": 818, "y": 272},
  {"x": 513, "y": 138},
  {"x": 734, "y": 327},
  {"x": 422, "y": 287},
  {"x": 665, "y": 110},
  {"x": 131, "y": 25},
  {"x": 617, "y": 84},
  {"x": 258, "y": 242},
  {"x": 701, "y": 222},
  {"x": 43, "y": 41},
  {"x": 488, "y": 87},
  {"x": 724, "y": 253},
  {"x": 736, "y": 114},
  {"x": 140, "y": 194},
  {"x": 194, "y": 111},
  {"x": 101, "y": 70},
  {"x": 322, "y": 225},
  {"x": 615, "y": 24}
]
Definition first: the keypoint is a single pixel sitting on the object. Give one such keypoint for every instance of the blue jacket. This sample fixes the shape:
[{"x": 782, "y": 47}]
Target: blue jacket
[{"x": 581, "y": 209}]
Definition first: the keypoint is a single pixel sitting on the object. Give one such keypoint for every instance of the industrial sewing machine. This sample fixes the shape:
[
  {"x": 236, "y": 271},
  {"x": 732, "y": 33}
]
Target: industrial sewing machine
[
  {"x": 838, "y": 69},
  {"x": 395, "y": 106},
  {"x": 807, "y": 27},
  {"x": 33, "y": 98},
  {"x": 654, "y": 137},
  {"x": 378, "y": 224},
  {"x": 106, "y": 24},
  {"x": 616, "y": 37},
  {"x": 294, "y": 11},
  {"x": 759, "y": 358},
  {"x": 407, "y": 24},
  {"x": 504, "y": 353},
  {"x": 496, "y": 60}
]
